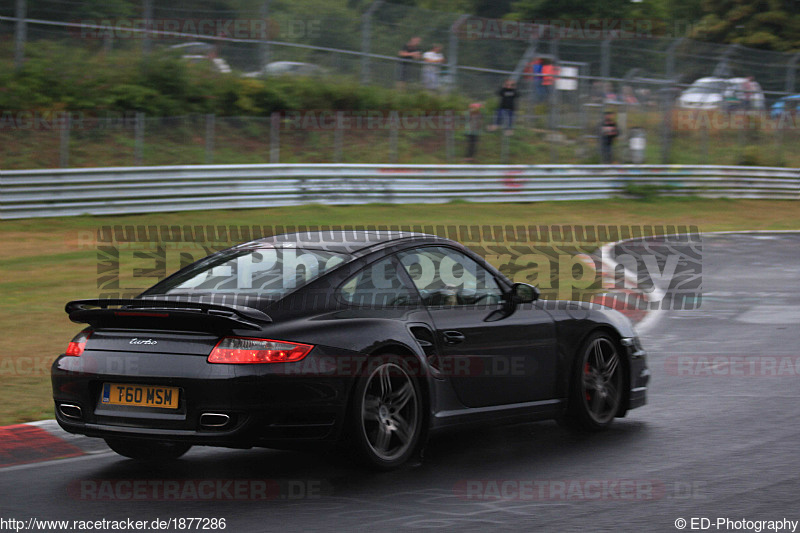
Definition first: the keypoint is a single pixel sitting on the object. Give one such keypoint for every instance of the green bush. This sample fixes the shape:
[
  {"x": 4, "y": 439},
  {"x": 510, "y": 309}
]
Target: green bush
[
  {"x": 62, "y": 77},
  {"x": 751, "y": 156},
  {"x": 647, "y": 191}
]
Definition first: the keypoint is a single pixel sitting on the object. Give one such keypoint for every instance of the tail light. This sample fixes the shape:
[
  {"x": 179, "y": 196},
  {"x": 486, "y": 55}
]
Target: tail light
[
  {"x": 243, "y": 350},
  {"x": 78, "y": 343}
]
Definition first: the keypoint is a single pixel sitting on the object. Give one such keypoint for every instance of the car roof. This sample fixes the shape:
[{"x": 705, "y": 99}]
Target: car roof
[
  {"x": 353, "y": 241},
  {"x": 707, "y": 79},
  {"x": 287, "y": 63}
]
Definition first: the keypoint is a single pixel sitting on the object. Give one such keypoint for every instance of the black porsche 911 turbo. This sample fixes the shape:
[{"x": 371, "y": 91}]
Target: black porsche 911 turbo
[{"x": 368, "y": 340}]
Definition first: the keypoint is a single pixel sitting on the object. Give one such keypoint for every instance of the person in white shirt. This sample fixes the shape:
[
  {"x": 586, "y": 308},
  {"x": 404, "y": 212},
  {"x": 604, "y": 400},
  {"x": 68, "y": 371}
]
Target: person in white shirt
[{"x": 433, "y": 58}]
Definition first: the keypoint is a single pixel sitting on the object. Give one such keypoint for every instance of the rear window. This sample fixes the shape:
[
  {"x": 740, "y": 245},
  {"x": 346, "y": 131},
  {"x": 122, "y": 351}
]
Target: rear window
[{"x": 264, "y": 272}]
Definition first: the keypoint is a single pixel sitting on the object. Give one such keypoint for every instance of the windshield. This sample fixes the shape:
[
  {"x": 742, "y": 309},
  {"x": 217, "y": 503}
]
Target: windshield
[
  {"x": 706, "y": 87},
  {"x": 263, "y": 272}
]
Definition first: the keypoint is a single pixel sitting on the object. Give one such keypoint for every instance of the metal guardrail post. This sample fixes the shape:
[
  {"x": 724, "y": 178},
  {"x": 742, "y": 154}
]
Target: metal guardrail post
[
  {"x": 670, "y": 64},
  {"x": 667, "y": 97},
  {"x": 147, "y": 43},
  {"x": 63, "y": 152},
  {"x": 705, "y": 134},
  {"x": 452, "y": 52},
  {"x": 393, "y": 142},
  {"x": 338, "y": 135},
  {"x": 366, "y": 41},
  {"x": 449, "y": 143},
  {"x": 723, "y": 69},
  {"x": 605, "y": 58},
  {"x": 264, "y": 51},
  {"x": 791, "y": 73},
  {"x": 210, "y": 119},
  {"x": 553, "y": 118},
  {"x": 138, "y": 148},
  {"x": 20, "y": 34},
  {"x": 274, "y": 137},
  {"x": 779, "y": 140}
]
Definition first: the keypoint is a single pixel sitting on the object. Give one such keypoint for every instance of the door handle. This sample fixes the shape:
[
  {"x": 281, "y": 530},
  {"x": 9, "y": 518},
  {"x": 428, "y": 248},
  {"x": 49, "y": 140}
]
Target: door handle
[{"x": 453, "y": 337}]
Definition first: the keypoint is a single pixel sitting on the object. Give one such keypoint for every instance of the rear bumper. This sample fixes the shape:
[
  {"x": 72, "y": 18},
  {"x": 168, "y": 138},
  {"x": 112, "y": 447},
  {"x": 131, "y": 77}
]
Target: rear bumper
[{"x": 265, "y": 405}]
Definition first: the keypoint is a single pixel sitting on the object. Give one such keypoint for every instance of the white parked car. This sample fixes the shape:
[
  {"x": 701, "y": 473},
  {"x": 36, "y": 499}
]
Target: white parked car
[
  {"x": 287, "y": 68},
  {"x": 198, "y": 52},
  {"x": 721, "y": 93}
]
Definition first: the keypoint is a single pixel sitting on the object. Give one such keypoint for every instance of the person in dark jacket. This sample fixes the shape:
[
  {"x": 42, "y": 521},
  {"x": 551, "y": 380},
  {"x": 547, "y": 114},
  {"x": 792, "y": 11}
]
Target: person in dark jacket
[
  {"x": 409, "y": 53},
  {"x": 508, "y": 103},
  {"x": 608, "y": 132}
]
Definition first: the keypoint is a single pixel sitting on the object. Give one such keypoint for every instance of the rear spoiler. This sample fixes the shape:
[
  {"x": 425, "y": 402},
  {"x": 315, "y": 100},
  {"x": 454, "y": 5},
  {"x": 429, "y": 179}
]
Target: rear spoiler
[{"x": 163, "y": 314}]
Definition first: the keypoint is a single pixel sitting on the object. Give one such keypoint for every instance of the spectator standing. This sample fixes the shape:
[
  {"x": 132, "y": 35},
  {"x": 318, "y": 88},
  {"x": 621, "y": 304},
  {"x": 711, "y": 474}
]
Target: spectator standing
[
  {"x": 508, "y": 102},
  {"x": 474, "y": 124},
  {"x": 533, "y": 73},
  {"x": 628, "y": 96},
  {"x": 549, "y": 70},
  {"x": 608, "y": 132},
  {"x": 430, "y": 71},
  {"x": 409, "y": 53}
]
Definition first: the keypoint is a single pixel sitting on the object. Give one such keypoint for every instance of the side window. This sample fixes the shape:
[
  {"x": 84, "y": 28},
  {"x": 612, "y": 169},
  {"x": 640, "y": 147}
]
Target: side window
[
  {"x": 378, "y": 285},
  {"x": 447, "y": 277}
]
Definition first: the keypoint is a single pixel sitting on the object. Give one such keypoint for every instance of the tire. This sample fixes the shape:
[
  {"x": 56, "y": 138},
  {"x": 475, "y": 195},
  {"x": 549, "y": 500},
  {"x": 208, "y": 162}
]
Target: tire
[
  {"x": 387, "y": 413},
  {"x": 144, "y": 450},
  {"x": 596, "y": 387}
]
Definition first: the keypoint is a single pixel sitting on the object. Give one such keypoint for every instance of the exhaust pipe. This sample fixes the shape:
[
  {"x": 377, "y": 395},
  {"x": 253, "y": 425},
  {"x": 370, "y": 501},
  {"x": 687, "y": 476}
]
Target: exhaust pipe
[
  {"x": 214, "y": 420},
  {"x": 70, "y": 411}
]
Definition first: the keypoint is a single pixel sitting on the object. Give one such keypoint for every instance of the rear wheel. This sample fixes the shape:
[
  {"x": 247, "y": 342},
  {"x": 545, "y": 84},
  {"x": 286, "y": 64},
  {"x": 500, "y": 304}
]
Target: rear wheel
[
  {"x": 145, "y": 450},
  {"x": 387, "y": 414},
  {"x": 597, "y": 381}
]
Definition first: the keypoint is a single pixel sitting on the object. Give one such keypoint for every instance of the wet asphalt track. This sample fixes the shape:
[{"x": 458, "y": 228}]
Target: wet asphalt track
[{"x": 711, "y": 445}]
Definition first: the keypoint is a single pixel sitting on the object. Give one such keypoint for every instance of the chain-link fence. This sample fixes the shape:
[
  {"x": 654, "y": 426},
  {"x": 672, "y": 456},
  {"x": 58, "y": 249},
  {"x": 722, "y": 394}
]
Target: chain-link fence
[
  {"x": 640, "y": 75},
  {"x": 389, "y": 137}
]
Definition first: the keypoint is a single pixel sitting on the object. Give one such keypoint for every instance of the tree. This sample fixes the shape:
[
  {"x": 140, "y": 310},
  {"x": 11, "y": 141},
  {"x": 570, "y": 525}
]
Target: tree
[
  {"x": 765, "y": 24},
  {"x": 569, "y": 9}
]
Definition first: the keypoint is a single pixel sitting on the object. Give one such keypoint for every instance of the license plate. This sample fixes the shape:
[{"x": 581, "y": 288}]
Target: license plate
[{"x": 140, "y": 395}]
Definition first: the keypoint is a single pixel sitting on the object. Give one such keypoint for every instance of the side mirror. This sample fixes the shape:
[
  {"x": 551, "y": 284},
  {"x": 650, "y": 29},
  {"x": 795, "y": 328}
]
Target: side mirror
[{"x": 522, "y": 293}]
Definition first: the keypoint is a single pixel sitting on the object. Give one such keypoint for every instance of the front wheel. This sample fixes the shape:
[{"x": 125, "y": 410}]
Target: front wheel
[
  {"x": 387, "y": 414},
  {"x": 597, "y": 381},
  {"x": 144, "y": 450}
]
